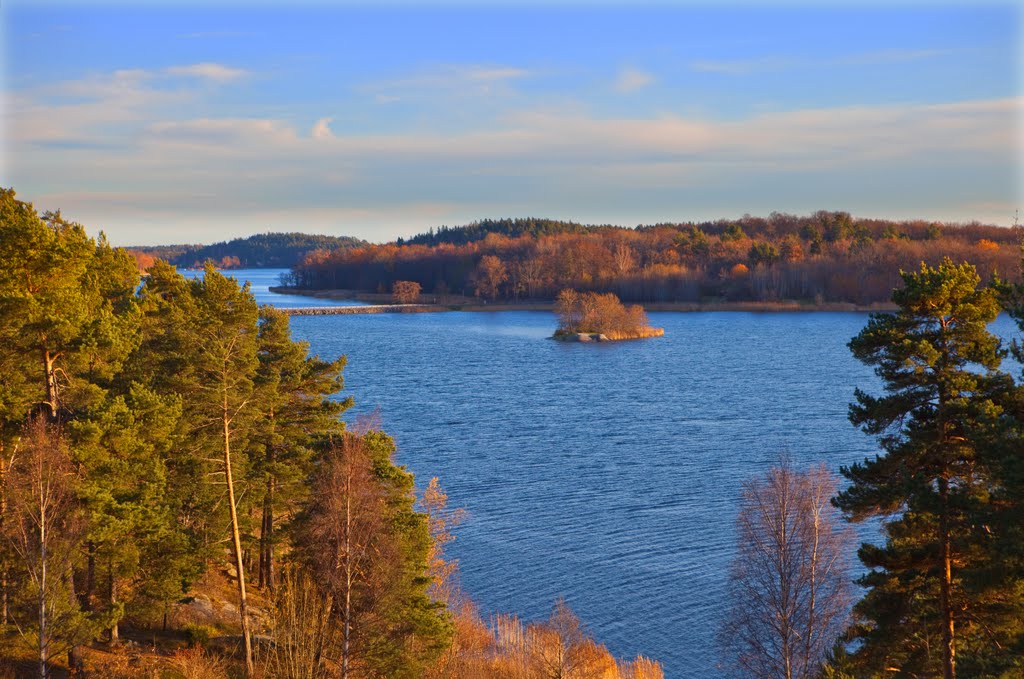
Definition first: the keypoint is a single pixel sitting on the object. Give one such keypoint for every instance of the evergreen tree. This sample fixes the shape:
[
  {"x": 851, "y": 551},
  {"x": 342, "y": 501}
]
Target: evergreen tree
[
  {"x": 938, "y": 363},
  {"x": 225, "y": 327},
  {"x": 293, "y": 395}
]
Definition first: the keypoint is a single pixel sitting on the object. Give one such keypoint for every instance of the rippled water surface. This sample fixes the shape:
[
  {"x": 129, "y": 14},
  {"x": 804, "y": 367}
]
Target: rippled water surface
[
  {"x": 607, "y": 473},
  {"x": 261, "y": 280}
]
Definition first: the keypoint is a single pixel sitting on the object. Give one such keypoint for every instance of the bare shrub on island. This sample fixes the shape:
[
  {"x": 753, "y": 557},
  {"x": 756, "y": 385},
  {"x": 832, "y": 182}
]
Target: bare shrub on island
[{"x": 592, "y": 312}]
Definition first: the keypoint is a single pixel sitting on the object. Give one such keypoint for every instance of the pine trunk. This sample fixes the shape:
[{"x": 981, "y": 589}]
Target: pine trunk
[
  {"x": 115, "y": 635},
  {"x": 267, "y": 538},
  {"x": 946, "y": 589},
  {"x": 236, "y": 539},
  {"x": 49, "y": 365}
]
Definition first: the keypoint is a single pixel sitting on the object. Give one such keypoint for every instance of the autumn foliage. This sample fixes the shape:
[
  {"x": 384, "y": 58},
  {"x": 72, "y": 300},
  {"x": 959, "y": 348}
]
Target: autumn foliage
[
  {"x": 405, "y": 292},
  {"x": 508, "y": 648},
  {"x": 822, "y": 257},
  {"x": 591, "y": 312}
]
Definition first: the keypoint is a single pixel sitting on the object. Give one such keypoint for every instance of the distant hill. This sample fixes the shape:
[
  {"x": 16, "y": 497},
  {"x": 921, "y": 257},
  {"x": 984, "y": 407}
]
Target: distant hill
[
  {"x": 265, "y": 250},
  {"x": 460, "y": 235}
]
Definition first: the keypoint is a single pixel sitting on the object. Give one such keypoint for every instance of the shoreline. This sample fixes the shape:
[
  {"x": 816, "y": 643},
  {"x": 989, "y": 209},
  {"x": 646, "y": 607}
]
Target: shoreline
[{"x": 458, "y": 303}]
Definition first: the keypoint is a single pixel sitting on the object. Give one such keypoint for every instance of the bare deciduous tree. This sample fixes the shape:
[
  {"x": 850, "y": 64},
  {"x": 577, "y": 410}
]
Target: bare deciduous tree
[
  {"x": 346, "y": 526},
  {"x": 303, "y": 633},
  {"x": 443, "y": 572},
  {"x": 789, "y": 586},
  {"x": 42, "y": 529}
]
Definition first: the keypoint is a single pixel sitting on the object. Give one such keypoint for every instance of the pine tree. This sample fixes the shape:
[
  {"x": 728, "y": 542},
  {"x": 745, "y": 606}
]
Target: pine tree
[
  {"x": 938, "y": 364},
  {"x": 293, "y": 395},
  {"x": 225, "y": 327}
]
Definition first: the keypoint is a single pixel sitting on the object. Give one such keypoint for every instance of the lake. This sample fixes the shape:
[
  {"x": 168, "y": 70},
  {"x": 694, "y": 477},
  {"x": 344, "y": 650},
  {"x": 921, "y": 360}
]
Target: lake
[
  {"x": 605, "y": 473},
  {"x": 260, "y": 282}
]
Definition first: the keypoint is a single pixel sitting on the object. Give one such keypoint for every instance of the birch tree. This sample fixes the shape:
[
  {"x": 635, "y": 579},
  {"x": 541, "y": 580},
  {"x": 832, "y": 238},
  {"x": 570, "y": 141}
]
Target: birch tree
[
  {"x": 43, "y": 529},
  {"x": 789, "y": 592}
]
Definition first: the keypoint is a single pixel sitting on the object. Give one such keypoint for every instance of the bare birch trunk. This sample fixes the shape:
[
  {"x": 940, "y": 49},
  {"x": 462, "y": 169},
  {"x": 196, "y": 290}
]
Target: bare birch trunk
[
  {"x": 43, "y": 659},
  {"x": 348, "y": 569}
]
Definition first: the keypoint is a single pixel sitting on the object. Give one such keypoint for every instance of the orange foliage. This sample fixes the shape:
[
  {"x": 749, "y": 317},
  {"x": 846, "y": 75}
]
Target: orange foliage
[
  {"x": 405, "y": 292},
  {"x": 739, "y": 270},
  {"x": 510, "y": 649},
  {"x": 142, "y": 260},
  {"x": 825, "y": 256},
  {"x": 594, "y": 312}
]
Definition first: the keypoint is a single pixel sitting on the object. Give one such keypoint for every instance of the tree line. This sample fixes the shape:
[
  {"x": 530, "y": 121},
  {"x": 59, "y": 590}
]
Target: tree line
[
  {"x": 165, "y": 439},
  {"x": 822, "y": 257},
  {"x": 264, "y": 250}
]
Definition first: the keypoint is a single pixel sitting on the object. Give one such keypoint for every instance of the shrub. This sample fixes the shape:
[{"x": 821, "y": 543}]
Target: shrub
[
  {"x": 199, "y": 635},
  {"x": 405, "y": 292},
  {"x": 598, "y": 313}
]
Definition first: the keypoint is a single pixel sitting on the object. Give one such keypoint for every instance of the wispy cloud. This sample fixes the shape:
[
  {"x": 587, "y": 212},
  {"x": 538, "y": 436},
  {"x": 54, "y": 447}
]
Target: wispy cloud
[
  {"x": 783, "y": 63},
  {"x": 632, "y": 79},
  {"x": 741, "y": 67},
  {"x": 891, "y": 56},
  {"x": 461, "y": 78},
  {"x": 208, "y": 70}
]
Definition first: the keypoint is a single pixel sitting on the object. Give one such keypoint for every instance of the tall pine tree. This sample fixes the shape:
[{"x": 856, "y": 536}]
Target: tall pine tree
[{"x": 938, "y": 363}]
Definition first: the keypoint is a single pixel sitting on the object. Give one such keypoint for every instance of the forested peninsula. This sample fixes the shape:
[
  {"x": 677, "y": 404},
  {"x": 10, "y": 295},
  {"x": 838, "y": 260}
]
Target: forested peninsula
[
  {"x": 826, "y": 258},
  {"x": 179, "y": 496},
  {"x": 261, "y": 251}
]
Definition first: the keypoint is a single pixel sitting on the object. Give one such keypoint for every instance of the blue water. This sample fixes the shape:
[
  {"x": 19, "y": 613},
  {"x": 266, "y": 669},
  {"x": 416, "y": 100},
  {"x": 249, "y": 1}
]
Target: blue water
[
  {"x": 260, "y": 281},
  {"x": 605, "y": 473}
]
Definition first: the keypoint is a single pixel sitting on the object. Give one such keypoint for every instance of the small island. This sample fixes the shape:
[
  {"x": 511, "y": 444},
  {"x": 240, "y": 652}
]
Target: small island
[{"x": 596, "y": 317}]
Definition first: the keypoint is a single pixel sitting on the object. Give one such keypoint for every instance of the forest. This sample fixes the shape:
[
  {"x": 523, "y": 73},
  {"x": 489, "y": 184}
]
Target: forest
[
  {"x": 265, "y": 250},
  {"x": 180, "y": 497},
  {"x": 826, "y": 257}
]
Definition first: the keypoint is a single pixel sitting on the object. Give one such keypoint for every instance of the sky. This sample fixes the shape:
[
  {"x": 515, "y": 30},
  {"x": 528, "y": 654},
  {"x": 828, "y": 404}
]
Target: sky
[{"x": 199, "y": 122}]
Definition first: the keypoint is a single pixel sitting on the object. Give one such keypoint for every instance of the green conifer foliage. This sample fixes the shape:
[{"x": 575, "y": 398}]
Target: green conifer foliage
[
  {"x": 293, "y": 395},
  {"x": 367, "y": 547},
  {"x": 938, "y": 363}
]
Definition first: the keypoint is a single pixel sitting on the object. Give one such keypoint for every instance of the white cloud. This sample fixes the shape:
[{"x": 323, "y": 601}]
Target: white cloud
[
  {"x": 232, "y": 133},
  {"x": 121, "y": 159},
  {"x": 322, "y": 129},
  {"x": 207, "y": 70},
  {"x": 631, "y": 79}
]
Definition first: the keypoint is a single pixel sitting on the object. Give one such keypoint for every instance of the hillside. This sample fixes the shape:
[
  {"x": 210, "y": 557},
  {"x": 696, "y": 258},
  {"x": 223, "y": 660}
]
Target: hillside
[
  {"x": 265, "y": 250},
  {"x": 824, "y": 257}
]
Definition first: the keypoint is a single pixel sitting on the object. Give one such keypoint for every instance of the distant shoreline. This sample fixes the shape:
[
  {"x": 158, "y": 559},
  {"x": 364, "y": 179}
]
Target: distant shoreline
[{"x": 440, "y": 303}]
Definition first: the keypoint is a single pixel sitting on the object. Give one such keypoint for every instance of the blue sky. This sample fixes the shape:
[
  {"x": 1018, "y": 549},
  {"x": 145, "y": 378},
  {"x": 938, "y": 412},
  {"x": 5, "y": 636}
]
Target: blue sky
[{"x": 193, "y": 123}]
